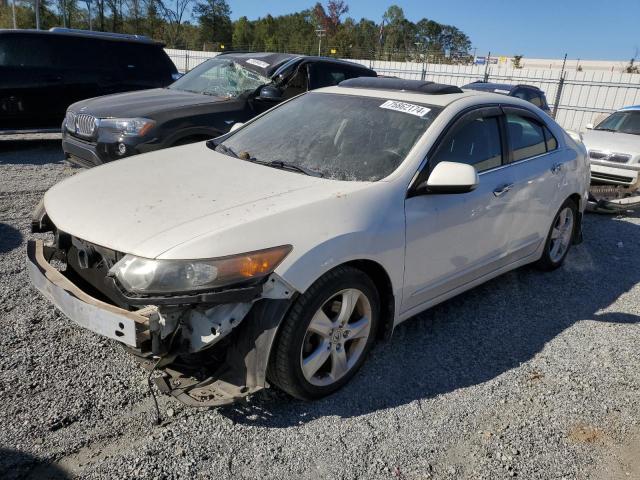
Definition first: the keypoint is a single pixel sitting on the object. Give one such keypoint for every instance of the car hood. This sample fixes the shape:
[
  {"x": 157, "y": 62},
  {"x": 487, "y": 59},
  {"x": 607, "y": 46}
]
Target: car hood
[
  {"x": 613, "y": 142},
  {"x": 142, "y": 103},
  {"x": 149, "y": 204}
]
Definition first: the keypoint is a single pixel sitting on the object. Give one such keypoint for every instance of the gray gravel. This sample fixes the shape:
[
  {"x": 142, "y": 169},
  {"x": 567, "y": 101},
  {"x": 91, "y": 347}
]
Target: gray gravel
[{"x": 532, "y": 375}]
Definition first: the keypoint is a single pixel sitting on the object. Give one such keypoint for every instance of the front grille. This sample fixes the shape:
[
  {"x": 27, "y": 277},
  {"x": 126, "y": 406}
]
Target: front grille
[
  {"x": 608, "y": 176},
  {"x": 85, "y": 125},
  {"x": 609, "y": 157}
]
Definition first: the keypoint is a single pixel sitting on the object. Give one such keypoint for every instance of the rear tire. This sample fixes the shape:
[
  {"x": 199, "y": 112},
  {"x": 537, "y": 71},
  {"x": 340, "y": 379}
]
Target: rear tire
[
  {"x": 560, "y": 237},
  {"x": 326, "y": 335}
]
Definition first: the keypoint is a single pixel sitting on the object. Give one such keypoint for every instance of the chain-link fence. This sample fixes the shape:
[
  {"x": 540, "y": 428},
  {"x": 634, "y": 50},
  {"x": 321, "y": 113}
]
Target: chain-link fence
[{"x": 576, "y": 98}]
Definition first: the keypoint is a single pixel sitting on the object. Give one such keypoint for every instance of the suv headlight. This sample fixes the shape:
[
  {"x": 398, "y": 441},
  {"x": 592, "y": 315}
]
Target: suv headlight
[
  {"x": 147, "y": 276},
  {"x": 134, "y": 127}
]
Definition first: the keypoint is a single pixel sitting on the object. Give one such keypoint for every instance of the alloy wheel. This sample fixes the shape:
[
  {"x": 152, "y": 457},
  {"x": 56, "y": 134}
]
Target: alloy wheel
[
  {"x": 336, "y": 337},
  {"x": 561, "y": 234}
]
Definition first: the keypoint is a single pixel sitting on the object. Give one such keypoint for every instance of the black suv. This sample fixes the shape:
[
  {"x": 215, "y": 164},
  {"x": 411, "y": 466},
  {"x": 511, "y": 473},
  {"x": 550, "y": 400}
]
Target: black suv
[
  {"x": 43, "y": 72},
  {"x": 526, "y": 92},
  {"x": 206, "y": 102}
]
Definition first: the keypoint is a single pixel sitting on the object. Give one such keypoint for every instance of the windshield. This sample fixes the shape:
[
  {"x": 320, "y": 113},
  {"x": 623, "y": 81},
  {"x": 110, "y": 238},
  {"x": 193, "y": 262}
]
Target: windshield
[
  {"x": 623, "y": 122},
  {"x": 220, "y": 77},
  {"x": 341, "y": 137}
]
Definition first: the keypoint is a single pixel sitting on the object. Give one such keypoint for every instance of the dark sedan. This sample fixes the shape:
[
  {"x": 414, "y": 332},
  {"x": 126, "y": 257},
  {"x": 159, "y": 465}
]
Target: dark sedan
[{"x": 205, "y": 103}]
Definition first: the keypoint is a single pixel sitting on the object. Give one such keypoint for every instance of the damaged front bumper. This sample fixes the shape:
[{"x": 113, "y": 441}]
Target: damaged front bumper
[{"x": 209, "y": 354}]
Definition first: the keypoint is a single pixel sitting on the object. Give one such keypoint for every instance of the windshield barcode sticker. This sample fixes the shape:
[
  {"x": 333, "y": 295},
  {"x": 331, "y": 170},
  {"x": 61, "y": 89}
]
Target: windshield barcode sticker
[
  {"x": 258, "y": 63},
  {"x": 409, "y": 108}
]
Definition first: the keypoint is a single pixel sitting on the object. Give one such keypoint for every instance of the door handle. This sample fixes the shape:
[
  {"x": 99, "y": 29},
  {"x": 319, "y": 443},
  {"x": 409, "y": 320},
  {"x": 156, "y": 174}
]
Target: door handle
[
  {"x": 502, "y": 189},
  {"x": 557, "y": 168}
]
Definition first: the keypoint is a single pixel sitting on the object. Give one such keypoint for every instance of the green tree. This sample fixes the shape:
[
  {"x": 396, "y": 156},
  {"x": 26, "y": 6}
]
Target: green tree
[
  {"x": 242, "y": 33},
  {"x": 215, "y": 21}
]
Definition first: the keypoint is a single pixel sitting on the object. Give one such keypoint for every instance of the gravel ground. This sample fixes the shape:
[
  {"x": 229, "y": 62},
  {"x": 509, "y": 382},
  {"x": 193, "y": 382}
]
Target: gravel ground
[{"x": 531, "y": 375}]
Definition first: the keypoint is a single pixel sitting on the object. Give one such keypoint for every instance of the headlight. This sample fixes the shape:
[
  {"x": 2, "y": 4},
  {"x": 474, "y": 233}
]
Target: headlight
[
  {"x": 128, "y": 126},
  {"x": 144, "y": 275}
]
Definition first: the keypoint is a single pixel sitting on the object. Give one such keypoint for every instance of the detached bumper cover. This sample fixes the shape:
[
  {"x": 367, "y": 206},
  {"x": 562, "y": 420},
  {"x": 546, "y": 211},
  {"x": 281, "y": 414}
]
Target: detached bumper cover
[{"x": 108, "y": 320}]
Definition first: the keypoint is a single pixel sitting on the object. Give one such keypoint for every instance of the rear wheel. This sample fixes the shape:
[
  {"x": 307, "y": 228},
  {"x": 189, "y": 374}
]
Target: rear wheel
[
  {"x": 326, "y": 336},
  {"x": 560, "y": 237}
]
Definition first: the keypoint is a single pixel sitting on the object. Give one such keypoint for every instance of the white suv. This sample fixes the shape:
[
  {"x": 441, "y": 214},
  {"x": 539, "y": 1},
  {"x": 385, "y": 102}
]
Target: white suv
[{"x": 280, "y": 251}]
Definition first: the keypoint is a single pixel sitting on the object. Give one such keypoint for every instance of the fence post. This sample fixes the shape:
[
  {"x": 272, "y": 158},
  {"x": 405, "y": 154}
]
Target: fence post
[
  {"x": 560, "y": 87},
  {"x": 486, "y": 68},
  {"x": 186, "y": 61},
  {"x": 558, "y": 95}
]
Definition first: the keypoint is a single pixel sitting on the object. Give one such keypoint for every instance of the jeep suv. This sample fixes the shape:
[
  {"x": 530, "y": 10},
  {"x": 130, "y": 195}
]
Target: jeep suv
[{"x": 43, "y": 72}]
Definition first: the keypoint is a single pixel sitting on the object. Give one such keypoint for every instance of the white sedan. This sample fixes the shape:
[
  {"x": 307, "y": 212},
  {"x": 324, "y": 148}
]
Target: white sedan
[
  {"x": 614, "y": 147},
  {"x": 281, "y": 251}
]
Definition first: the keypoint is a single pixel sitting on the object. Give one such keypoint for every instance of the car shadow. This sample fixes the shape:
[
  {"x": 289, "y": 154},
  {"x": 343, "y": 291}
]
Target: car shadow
[
  {"x": 30, "y": 152},
  {"x": 10, "y": 238},
  {"x": 476, "y": 336},
  {"x": 16, "y": 465}
]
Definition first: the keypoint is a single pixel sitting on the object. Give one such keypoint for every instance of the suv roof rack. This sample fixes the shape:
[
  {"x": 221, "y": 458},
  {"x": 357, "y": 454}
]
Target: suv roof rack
[
  {"x": 386, "y": 83},
  {"x": 91, "y": 33}
]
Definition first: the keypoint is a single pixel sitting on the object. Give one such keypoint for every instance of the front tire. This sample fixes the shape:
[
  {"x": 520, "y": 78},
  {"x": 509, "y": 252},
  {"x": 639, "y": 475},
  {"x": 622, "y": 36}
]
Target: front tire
[
  {"x": 326, "y": 335},
  {"x": 560, "y": 237}
]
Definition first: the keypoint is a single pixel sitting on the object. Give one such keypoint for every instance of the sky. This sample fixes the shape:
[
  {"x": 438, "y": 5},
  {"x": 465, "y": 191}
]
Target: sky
[{"x": 586, "y": 29}]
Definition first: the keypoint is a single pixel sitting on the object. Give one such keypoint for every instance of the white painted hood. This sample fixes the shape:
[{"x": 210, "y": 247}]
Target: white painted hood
[
  {"x": 188, "y": 202},
  {"x": 612, "y": 142}
]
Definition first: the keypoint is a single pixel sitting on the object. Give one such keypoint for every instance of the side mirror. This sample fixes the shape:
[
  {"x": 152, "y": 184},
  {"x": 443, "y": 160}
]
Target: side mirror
[
  {"x": 236, "y": 126},
  {"x": 269, "y": 93},
  {"x": 450, "y": 177},
  {"x": 589, "y": 126}
]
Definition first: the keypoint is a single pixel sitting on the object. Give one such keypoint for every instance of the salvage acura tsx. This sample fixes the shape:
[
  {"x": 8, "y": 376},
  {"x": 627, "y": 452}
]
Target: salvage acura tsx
[{"x": 280, "y": 255}]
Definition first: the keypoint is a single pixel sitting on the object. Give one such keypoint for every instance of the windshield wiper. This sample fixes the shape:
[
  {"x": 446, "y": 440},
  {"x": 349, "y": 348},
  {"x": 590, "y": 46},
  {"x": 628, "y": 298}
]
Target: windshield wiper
[
  {"x": 292, "y": 166},
  {"x": 606, "y": 129},
  {"x": 222, "y": 148}
]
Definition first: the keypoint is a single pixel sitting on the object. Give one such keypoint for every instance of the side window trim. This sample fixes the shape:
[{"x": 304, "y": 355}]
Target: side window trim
[
  {"x": 425, "y": 168},
  {"x": 527, "y": 114}
]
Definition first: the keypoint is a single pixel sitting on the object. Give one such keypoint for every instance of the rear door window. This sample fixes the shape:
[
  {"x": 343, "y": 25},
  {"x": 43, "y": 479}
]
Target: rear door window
[
  {"x": 526, "y": 137},
  {"x": 475, "y": 142},
  {"x": 26, "y": 51}
]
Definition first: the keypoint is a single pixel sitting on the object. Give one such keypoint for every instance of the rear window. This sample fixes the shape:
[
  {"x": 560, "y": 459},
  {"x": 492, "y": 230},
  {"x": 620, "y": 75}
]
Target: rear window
[{"x": 140, "y": 57}]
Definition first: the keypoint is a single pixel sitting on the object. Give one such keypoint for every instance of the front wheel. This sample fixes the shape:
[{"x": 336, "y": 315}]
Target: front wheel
[
  {"x": 560, "y": 237},
  {"x": 326, "y": 336}
]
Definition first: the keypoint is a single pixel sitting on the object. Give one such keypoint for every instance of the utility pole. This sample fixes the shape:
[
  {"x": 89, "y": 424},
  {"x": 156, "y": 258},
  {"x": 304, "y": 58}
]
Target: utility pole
[
  {"x": 13, "y": 7},
  {"x": 89, "y": 8},
  {"x": 320, "y": 32},
  {"x": 37, "y": 14}
]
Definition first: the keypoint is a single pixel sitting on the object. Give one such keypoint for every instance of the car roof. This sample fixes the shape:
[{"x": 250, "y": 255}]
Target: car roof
[
  {"x": 630, "y": 108},
  {"x": 437, "y": 100},
  {"x": 269, "y": 63},
  {"x": 492, "y": 87},
  {"x": 72, "y": 32}
]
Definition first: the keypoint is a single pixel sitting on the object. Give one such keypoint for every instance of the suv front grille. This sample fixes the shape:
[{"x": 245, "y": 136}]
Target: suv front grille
[
  {"x": 81, "y": 124},
  {"x": 86, "y": 125}
]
